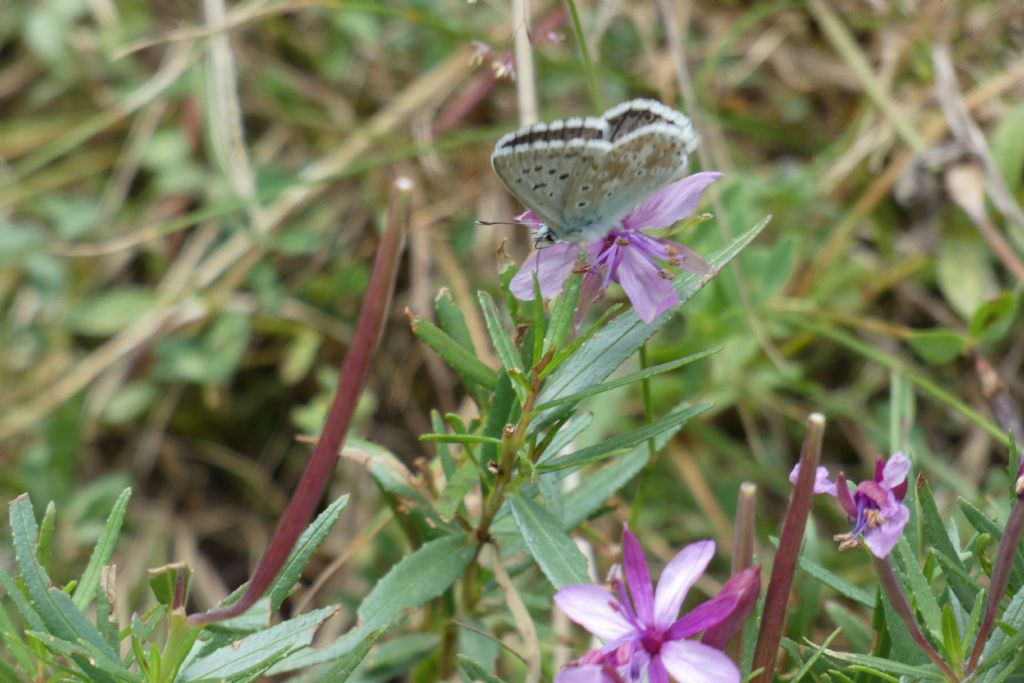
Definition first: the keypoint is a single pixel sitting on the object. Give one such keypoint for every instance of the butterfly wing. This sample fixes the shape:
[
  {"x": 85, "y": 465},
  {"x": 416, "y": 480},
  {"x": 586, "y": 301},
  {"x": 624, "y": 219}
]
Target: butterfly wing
[
  {"x": 538, "y": 163},
  {"x": 609, "y": 186}
]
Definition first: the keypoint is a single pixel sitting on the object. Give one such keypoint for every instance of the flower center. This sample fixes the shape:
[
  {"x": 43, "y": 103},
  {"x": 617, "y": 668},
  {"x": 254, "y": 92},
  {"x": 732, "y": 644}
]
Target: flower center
[{"x": 652, "y": 640}]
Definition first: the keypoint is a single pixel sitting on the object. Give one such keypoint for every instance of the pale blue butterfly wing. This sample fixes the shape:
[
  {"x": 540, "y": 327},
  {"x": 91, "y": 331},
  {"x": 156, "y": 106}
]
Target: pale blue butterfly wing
[
  {"x": 539, "y": 163},
  {"x": 583, "y": 176}
]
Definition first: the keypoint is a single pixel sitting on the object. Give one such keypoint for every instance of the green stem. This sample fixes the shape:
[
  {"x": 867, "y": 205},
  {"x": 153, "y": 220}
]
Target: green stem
[
  {"x": 588, "y": 65},
  {"x": 645, "y": 390},
  {"x": 180, "y": 638}
]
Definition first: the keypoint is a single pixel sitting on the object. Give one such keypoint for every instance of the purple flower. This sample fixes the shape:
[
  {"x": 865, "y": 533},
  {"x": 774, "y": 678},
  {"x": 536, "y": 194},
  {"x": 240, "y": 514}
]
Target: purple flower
[
  {"x": 642, "y": 627},
  {"x": 626, "y": 254},
  {"x": 875, "y": 507}
]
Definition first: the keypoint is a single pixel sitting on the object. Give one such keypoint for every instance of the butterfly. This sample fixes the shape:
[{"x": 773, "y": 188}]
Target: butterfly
[{"x": 582, "y": 176}]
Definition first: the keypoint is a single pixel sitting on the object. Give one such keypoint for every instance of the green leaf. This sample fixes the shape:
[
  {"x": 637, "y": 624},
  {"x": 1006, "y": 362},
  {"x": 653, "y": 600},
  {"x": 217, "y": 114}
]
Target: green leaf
[
  {"x": 44, "y": 547},
  {"x": 552, "y": 549},
  {"x": 465, "y": 477},
  {"x": 340, "y": 671},
  {"x": 624, "y": 442},
  {"x": 626, "y": 380},
  {"x": 111, "y": 311},
  {"x": 964, "y": 274},
  {"x": 307, "y": 544},
  {"x": 815, "y": 656},
  {"x": 952, "y": 644},
  {"x": 994, "y": 319},
  {"x": 452, "y": 321},
  {"x": 882, "y": 665},
  {"x": 246, "y": 658},
  {"x": 476, "y": 673},
  {"x": 101, "y": 554},
  {"x": 503, "y": 407},
  {"x": 936, "y": 534},
  {"x": 839, "y": 585},
  {"x": 418, "y": 577},
  {"x": 1008, "y": 146},
  {"x": 936, "y": 346},
  {"x": 562, "y": 314},
  {"x": 618, "y": 340},
  {"x": 470, "y": 368},
  {"x": 55, "y": 608},
  {"x": 918, "y": 589},
  {"x": 1000, "y": 643},
  {"x": 981, "y": 522},
  {"x": 503, "y": 343},
  {"x": 98, "y": 659}
]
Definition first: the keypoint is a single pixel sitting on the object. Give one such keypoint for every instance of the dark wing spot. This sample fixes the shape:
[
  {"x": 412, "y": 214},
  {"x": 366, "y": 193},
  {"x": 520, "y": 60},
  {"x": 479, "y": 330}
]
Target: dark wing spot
[
  {"x": 580, "y": 205},
  {"x": 563, "y": 176},
  {"x": 585, "y": 188}
]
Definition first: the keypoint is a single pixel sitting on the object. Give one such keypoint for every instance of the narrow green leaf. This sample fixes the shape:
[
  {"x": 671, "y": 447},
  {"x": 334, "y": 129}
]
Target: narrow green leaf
[
  {"x": 618, "y": 340},
  {"x": 44, "y": 548},
  {"x": 1000, "y": 643},
  {"x": 455, "y": 490},
  {"x": 453, "y": 322},
  {"x": 552, "y": 549},
  {"x": 502, "y": 409},
  {"x": 626, "y": 380},
  {"x": 936, "y": 534},
  {"x": 537, "y": 332},
  {"x": 99, "y": 661},
  {"x": 855, "y": 631},
  {"x": 880, "y": 664},
  {"x": 340, "y": 671},
  {"x": 476, "y": 673},
  {"x": 980, "y": 521},
  {"x": 444, "y": 454},
  {"x": 246, "y": 658},
  {"x": 952, "y": 644},
  {"x": 307, "y": 544},
  {"x": 469, "y": 367},
  {"x": 101, "y": 554},
  {"x": 919, "y": 590},
  {"x": 460, "y": 438},
  {"x": 503, "y": 343},
  {"x": 418, "y": 577},
  {"x": 624, "y": 442},
  {"x": 815, "y": 656},
  {"x": 836, "y": 583},
  {"x": 59, "y": 614},
  {"x": 563, "y": 313}
]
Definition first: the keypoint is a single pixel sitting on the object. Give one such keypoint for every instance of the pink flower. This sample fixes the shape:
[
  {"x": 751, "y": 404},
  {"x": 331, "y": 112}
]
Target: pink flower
[
  {"x": 626, "y": 254},
  {"x": 642, "y": 627},
  {"x": 875, "y": 508}
]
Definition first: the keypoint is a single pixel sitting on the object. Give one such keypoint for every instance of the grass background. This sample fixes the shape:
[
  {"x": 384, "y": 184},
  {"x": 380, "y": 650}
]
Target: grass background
[{"x": 189, "y": 201}]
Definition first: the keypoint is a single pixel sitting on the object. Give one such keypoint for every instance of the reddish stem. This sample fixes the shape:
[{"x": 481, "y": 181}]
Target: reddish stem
[
  {"x": 776, "y": 600},
  {"x": 894, "y": 593},
  {"x": 1000, "y": 578},
  {"x": 354, "y": 370}
]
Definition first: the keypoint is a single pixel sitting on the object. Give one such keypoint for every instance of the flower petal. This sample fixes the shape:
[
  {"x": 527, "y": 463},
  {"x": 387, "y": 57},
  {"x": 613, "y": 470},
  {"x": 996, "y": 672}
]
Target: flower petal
[
  {"x": 895, "y": 471},
  {"x": 552, "y": 264},
  {"x": 681, "y": 573},
  {"x": 648, "y": 291},
  {"x": 822, "y": 484},
  {"x": 656, "y": 671},
  {"x": 675, "y": 202},
  {"x": 705, "y": 615},
  {"x": 594, "y": 608},
  {"x": 638, "y": 577},
  {"x": 694, "y": 662},
  {"x": 530, "y": 220},
  {"x": 883, "y": 538},
  {"x": 746, "y": 586},
  {"x": 591, "y": 673}
]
